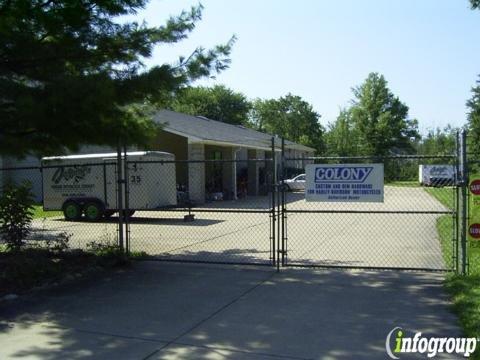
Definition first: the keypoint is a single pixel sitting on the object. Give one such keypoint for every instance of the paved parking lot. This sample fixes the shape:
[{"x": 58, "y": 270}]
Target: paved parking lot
[{"x": 351, "y": 239}]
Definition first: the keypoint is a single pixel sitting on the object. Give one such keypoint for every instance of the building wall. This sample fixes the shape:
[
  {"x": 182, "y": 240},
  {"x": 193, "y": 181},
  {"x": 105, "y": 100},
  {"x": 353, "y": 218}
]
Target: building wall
[
  {"x": 196, "y": 173},
  {"x": 29, "y": 173},
  {"x": 253, "y": 185},
  {"x": 229, "y": 169},
  {"x": 229, "y": 174},
  {"x": 178, "y": 146},
  {"x": 242, "y": 161},
  {"x": 192, "y": 175}
]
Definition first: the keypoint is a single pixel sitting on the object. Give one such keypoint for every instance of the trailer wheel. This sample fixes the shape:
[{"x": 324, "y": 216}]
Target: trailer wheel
[
  {"x": 93, "y": 210},
  {"x": 72, "y": 210}
]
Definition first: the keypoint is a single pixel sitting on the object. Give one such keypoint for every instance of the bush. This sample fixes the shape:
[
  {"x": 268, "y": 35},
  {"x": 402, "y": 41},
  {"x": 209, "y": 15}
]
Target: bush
[
  {"x": 109, "y": 251},
  {"x": 104, "y": 248},
  {"x": 59, "y": 243},
  {"x": 16, "y": 214}
]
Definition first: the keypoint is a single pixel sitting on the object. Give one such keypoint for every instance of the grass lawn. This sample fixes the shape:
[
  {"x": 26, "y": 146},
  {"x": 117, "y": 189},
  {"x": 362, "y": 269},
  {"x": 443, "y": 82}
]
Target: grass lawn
[
  {"x": 465, "y": 293},
  {"x": 445, "y": 222},
  {"x": 464, "y": 290},
  {"x": 39, "y": 213},
  {"x": 403, "y": 183},
  {"x": 446, "y": 195}
]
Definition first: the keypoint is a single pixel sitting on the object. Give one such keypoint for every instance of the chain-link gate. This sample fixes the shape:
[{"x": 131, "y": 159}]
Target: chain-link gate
[
  {"x": 225, "y": 208},
  {"x": 415, "y": 228}
]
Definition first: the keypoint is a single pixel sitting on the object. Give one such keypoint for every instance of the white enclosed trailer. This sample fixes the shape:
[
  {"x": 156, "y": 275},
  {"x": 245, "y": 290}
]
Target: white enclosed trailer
[
  {"x": 431, "y": 174},
  {"x": 87, "y": 184}
]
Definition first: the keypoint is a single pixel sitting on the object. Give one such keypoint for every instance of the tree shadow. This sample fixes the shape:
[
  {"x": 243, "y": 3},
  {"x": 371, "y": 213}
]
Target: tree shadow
[
  {"x": 144, "y": 220},
  {"x": 252, "y": 202},
  {"x": 191, "y": 311}
]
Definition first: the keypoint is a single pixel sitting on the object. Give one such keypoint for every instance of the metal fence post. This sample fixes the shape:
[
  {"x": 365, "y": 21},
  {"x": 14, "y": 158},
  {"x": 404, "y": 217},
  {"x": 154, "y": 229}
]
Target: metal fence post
[
  {"x": 283, "y": 201},
  {"x": 279, "y": 222},
  {"x": 127, "y": 200},
  {"x": 120, "y": 182},
  {"x": 274, "y": 173},
  {"x": 457, "y": 220},
  {"x": 463, "y": 195}
]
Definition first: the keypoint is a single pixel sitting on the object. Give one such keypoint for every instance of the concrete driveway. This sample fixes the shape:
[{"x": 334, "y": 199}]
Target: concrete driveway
[
  {"x": 401, "y": 232},
  {"x": 169, "y": 311},
  {"x": 406, "y": 239}
]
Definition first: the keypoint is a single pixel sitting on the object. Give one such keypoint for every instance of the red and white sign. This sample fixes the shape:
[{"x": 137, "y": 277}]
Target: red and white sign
[
  {"x": 474, "y": 231},
  {"x": 475, "y": 187}
]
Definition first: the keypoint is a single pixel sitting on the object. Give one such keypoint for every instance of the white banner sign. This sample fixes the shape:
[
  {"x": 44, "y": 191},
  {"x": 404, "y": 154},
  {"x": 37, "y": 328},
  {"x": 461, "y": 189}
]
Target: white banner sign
[{"x": 344, "y": 182}]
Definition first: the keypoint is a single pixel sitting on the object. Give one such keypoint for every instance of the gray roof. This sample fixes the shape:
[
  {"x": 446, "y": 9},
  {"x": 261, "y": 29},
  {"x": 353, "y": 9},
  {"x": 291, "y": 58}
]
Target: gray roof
[{"x": 201, "y": 129}]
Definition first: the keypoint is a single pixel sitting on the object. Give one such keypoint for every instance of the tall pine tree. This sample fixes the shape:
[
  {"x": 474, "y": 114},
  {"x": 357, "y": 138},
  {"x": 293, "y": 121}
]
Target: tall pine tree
[{"x": 71, "y": 72}]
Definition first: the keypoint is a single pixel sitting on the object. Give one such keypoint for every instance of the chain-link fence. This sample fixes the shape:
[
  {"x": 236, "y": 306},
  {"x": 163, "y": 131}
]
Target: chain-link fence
[
  {"x": 413, "y": 228},
  {"x": 69, "y": 201},
  {"x": 217, "y": 210},
  {"x": 250, "y": 209},
  {"x": 473, "y": 211}
]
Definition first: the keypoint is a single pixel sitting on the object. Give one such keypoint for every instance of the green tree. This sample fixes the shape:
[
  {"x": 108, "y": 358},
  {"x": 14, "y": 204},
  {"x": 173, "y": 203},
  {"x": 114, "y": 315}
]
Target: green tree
[
  {"x": 381, "y": 119},
  {"x": 342, "y": 136},
  {"x": 71, "y": 72},
  {"x": 217, "y": 103},
  {"x": 473, "y": 105},
  {"x": 438, "y": 142},
  {"x": 290, "y": 117}
]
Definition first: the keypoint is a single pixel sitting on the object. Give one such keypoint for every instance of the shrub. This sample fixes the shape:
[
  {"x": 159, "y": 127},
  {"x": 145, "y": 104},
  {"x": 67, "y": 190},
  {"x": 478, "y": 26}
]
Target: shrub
[
  {"x": 16, "y": 214},
  {"x": 108, "y": 252},
  {"x": 59, "y": 243}
]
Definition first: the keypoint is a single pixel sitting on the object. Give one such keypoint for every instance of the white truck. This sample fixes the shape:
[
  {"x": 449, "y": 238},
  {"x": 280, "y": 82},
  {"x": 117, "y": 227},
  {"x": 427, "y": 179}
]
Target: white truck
[
  {"x": 87, "y": 184},
  {"x": 436, "y": 175}
]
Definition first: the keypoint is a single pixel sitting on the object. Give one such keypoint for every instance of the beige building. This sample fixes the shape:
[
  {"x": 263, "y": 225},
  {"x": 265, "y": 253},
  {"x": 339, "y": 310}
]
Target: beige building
[
  {"x": 242, "y": 157},
  {"x": 239, "y": 151}
]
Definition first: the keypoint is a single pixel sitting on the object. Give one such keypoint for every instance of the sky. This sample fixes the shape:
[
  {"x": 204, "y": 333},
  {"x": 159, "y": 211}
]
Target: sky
[{"x": 428, "y": 50}]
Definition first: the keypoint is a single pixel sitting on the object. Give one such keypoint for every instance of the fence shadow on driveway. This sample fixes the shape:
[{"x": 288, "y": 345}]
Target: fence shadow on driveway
[
  {"x": 247, "y": 256},
  {"x": 140, "y": 220},
  {"x": 196, "y": 311}
]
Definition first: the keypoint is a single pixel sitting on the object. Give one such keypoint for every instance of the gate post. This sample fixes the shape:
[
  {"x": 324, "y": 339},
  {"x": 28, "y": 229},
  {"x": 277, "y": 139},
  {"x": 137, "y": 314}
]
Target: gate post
[
  {"x": 282, "y": 167},
  {"x": 463, "y": 177},
  {"x": 126, "y": 201},
  {"x": 273, "y": 214},
  {"x": 120, "y": 194}
]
